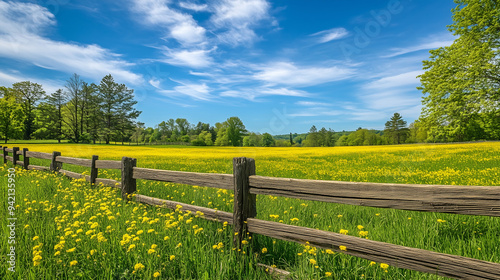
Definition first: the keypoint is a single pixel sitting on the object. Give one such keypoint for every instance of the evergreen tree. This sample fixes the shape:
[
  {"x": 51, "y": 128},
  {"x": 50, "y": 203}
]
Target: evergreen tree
[{"x": 396, "y": 128}]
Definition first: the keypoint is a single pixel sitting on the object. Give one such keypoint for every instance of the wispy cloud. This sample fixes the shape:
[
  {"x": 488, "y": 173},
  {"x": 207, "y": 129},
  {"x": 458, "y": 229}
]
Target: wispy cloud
[
  {"x": 423, "y": 46},
  {"x": 330, "y": 35},
  {"x": 193, "y": 6},
  {"x": 234, "y": 20},
  {"x": 180, "y": 26},
  {"x": 19, "y": 40},
  {"x": 189, "y": 58},
  {"x": 50, "y": 86},
  {"x": 405, "y": 79},
  {"x": 193, "y": 90},
  {"x": 289, "y": 74}
]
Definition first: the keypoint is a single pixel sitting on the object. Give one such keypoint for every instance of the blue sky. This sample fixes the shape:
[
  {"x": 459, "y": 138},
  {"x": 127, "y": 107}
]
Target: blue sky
[{"x": 281, "y": 66}]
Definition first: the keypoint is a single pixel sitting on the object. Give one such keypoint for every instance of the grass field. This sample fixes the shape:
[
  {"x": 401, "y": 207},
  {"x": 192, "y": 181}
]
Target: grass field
[{"x": 67, "y": 229}]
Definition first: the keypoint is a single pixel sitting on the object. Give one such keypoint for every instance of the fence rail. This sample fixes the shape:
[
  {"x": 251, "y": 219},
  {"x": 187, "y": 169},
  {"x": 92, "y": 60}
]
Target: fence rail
[{"x": 468, "y": 200}]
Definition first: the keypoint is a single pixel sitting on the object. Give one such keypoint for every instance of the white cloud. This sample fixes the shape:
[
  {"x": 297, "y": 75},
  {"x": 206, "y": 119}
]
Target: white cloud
[
  {"x": 316, "y": 112},
  {"x": 236, "y": 18},
  {"x": 195, "y": 91},
  {"x": 330, "y": 35},
  {"x": 253, "y": 93},
  {"x": 402, "y": 80},
  {"x": 424, "y": 46},
  {"x": 22, "y": 43},
  {"x": 49, "y": 86},
  {"x": 193, "y": 6},
  {"x": 289, "y": 74},
  {"x": 189, "y": 58},
  {"x": 311, "y": 103},
  {"x": 181, "y": 26}
]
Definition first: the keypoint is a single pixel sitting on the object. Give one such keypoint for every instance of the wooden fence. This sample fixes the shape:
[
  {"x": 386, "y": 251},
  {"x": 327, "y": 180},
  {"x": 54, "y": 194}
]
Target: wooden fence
[{"x": 466, "y": 200}]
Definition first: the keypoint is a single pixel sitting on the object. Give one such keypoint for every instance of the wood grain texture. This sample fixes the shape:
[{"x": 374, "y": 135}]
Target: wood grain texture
[
  {"x": 9, "y": 150},
  {"x": 108, "y": 164},
  {"x": 54, "y": 164},
  {"x": 20, "y": 163},
  {"x": 39, "y": 155},
  {"x": 221, "y": 181},
  {"x": 395, "y": 255},
  {"x": 15, "y": 155},
  {"x": 71, "y": 174},
  {"x": 9, "y": 158},
  {"x": 26, "y": 159},
  {"x": 129, "y": 184},
  {"x": 93, "y": 169},
  {"x": 38, "y": 167},
  {"x": 244, "y": 202},
  {"x": 467, "y": 200},
  {"x": 208, "y": 213},
  {"x": 75, "y": 161},
  {"x": 20, "y": 152}
]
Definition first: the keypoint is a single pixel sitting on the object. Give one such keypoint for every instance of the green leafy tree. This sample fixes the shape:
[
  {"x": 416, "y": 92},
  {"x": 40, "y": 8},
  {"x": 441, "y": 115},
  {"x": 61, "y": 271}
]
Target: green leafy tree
[
  {"x": 396, "y": 129},
  {"x": 268, "y": 140},
  {"x": 73, "y": 117},
  {"x": 28, "y": 94},
  {"x": 464, "y": 78},
  {"x": 235, "y": 130},
  {"x": 11, "y": 115}
]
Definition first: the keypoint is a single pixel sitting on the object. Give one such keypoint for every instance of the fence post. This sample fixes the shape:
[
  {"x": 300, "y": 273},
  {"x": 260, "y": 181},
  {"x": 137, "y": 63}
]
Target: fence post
[
  {"x": 93, "y": 170},
  {"x": 26, "y": 159},
  {"x": 129, "y": 185},
  {"x": 244, "y": 202},
  {"x": 54, "y": 165},
  {"x": 4, "y": 153},
  {"x": 15, "y": 156}
]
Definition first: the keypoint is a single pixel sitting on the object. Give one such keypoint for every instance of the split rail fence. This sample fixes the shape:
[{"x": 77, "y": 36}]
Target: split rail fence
[{"x": 465, "y": 200}]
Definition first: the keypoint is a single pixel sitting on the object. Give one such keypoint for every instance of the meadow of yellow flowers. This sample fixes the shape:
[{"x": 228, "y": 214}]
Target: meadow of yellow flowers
[{"x": 66, "y": 229}]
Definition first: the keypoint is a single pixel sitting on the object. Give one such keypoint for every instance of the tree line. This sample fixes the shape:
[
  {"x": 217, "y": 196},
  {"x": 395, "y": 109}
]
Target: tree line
[{"x": 81, "y": 112}]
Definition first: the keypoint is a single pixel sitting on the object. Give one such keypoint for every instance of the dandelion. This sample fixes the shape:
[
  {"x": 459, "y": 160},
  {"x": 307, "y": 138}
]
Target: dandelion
[
  {"x": 363, "y": 233},
  {"x": 312, "y": 261},
  {"x": 328, "y": 274},
  {"x": 166, "y": 238},
  {"x": 264, "y": 250},
  {"x": 156, "y": 274},
  {"x": 172, "y": 257},
  {"x": 178, "y": 245},
  {"x": 73, "y": 263},
  {"x": 151, "y": 251},
  {"x": 344, "y": 231},
  {"x": 132, "y": 246},
  {"x": 384, "y": 266},
  {"x": 330, "y": 252},
  {"x": 138, "y": 266},
  {"x": 244, "y": 242},
  {"x": 140, "y": 232},
  {"x": 35, "y": 238},
  {"x": 441, "y": 221},
  {"x": 372, "y": 263},
  {"x": 360, "y": 227},
  {"x": 92, "y": 252},
  {"x": 343, "y": 248},
  {"x": 71, "y": 250}
]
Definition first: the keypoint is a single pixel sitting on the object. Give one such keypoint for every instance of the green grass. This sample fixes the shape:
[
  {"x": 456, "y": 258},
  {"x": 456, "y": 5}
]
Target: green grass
[{"x": 470, "y": 236}]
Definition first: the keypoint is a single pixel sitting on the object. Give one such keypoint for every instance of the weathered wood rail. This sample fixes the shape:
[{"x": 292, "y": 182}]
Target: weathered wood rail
[{"x": 465, "y": 200}]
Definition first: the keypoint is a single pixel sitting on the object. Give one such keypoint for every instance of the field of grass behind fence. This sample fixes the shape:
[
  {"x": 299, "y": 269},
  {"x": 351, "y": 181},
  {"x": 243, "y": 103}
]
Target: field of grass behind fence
[{"x": 460, "y": 164}]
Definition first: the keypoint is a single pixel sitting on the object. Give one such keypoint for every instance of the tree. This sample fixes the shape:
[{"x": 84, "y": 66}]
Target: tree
[
  {"x": 235, "y": 130},
  {"x": 50, "y": 116},
  {"x": 11, "y": 115},
  {"x": 73, "y": 120},
  {"x": 396, "y": 128},
  {"x": 28, "y": 94},
  {"x": 117, "y": 108},
  {"x": 268, "y": 140},
  {"x": 464, "y": 78}
]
